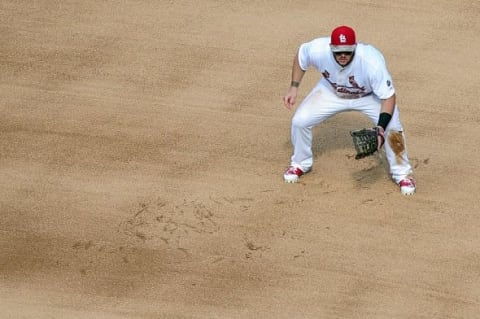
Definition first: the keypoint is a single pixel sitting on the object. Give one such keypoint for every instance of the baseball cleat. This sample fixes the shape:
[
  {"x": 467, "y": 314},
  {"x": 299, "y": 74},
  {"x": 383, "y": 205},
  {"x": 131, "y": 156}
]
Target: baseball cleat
[
  {"x": 292, "y": 174},
  {"x": 407, "y": 186}
]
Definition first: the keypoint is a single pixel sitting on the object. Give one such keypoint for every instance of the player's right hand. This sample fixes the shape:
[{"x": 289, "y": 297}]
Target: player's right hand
[{"x": 290, "y": 98}]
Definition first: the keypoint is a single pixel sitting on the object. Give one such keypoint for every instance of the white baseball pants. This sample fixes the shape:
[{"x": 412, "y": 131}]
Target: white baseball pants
[{"x": 322, "y": 104}]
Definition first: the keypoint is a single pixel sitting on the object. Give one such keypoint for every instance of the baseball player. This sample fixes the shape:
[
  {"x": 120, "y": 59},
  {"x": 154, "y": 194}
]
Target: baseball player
[{"x": 354, "y": 78}]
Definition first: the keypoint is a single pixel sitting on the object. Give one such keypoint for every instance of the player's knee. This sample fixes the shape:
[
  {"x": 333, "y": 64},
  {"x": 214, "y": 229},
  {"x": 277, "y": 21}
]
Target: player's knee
[{"x": 300, "y": 121}]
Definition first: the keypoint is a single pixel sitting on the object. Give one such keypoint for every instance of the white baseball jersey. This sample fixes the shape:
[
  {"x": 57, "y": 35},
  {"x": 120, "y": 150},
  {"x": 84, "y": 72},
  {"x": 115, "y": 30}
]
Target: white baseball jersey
[{"x": 366, "y": 74}]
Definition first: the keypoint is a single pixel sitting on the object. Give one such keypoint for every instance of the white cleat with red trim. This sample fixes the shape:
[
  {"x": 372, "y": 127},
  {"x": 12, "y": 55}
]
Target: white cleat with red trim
[
  {"x": 292, "y": 174},
  {"x": 407, "y": 186}
]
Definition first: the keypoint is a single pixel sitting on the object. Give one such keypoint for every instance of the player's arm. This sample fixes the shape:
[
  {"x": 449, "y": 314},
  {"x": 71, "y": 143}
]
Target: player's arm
[
  {"x": 297, "y": 76},
  {"x": 383, "y": 86},
  {"x": 388, "y": 105},
  {"x": 297, "y": 73},
  {"x": 386, "y": 112}
]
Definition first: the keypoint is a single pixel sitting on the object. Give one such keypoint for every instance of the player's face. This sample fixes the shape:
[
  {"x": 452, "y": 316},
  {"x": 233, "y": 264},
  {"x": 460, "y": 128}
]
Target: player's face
[{"x": 343, "y": 58}]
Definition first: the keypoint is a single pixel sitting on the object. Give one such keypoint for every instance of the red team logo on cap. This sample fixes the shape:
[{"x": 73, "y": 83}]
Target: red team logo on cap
[
  {"x": 343, "y": 35},
  {"x": 343, "y": 39}
]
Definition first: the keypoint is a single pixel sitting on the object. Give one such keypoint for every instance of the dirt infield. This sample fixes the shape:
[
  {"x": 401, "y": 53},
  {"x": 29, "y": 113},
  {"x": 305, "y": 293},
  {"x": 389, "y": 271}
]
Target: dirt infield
[{"x": 142, "y": 149}]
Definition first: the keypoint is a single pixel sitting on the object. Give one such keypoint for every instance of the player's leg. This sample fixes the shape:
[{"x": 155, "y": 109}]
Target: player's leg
[
  {"x": 319, "y": 105},
  {"x": 395, "y": 143}
]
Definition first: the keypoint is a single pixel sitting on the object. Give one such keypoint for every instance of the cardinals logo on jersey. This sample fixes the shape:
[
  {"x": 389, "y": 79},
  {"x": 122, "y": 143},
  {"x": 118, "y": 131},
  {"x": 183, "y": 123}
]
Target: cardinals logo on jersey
[
  {"x": 354, "y": 84},
  {"x": 352, "y": 90}
]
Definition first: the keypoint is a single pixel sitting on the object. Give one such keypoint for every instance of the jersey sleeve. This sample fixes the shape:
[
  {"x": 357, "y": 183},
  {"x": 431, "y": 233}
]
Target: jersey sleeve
[
  {"x": 382, "y": 83},
  {"x": 314, "y": 53},
  {"x": 304, "y": 55}
]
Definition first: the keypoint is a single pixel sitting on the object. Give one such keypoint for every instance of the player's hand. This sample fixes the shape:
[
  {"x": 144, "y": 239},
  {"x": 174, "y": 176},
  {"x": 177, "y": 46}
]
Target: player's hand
[
  {"x": 381, "y": 137},
  {"x": 290, "y": 98}
]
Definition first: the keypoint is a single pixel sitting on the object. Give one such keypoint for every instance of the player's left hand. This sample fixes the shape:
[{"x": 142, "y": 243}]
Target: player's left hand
[
  {"x": 381, "y": 137},
  {"x": 367, "y": 141}
]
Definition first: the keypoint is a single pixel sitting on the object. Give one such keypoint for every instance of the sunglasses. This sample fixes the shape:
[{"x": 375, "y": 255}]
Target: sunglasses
[{"x": 343, "y": 53}]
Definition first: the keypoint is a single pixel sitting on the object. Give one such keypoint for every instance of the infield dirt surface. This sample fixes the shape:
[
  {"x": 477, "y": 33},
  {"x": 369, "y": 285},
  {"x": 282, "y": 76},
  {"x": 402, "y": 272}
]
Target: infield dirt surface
[{"x": 143, "y": 144}]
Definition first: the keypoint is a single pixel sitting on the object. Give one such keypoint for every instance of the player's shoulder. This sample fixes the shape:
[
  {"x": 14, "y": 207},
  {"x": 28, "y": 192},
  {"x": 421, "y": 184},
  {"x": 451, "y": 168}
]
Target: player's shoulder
[
  {"x": 318, "y": 44},
  {"x": 369, "y": 53},
  {"x": 369, "y": 50}
]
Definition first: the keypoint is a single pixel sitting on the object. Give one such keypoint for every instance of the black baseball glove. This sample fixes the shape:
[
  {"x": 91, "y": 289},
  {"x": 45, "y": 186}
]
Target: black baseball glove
[{"x": 367, "y": 141}]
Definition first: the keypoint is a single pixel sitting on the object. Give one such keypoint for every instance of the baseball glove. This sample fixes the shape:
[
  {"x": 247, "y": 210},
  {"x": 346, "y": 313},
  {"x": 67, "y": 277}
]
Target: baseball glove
[{"x": 366, "y": 141}]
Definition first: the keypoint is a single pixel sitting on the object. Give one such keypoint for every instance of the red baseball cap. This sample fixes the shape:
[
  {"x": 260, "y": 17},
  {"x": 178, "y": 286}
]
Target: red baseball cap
[{"x": 343, "y": 39}]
